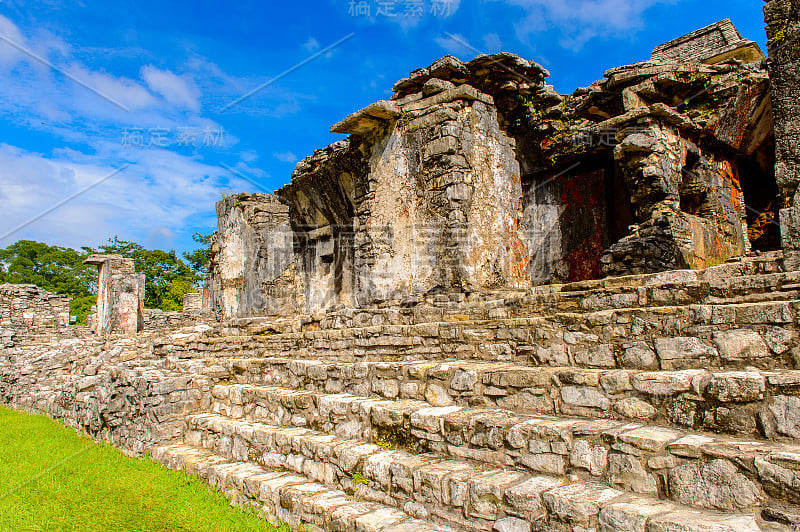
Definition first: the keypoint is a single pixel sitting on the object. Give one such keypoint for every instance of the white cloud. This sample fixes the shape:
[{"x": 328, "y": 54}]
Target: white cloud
[
  {"x": 161, "y": 190},
  {"x": 287, "y": 157},
  {"x": 578, "y": 21},
  {"x": 312, "y": 45},
  {"x": 9, "y": 54},
  {"x": 123, "y": 90},
  {"x": 177, "y": 90},
  {"x": 249, "y": 156}
]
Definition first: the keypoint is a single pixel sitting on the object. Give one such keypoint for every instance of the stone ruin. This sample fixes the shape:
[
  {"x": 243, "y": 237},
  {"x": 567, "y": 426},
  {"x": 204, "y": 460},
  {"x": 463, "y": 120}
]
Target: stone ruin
[
  {"x": 492, "y": 307},
  {"x": 28, "y": 312},
  {"x": 478, "y": 177},
  {"x": 713, "y": 44},
  {"x": 120, "y": 295}
]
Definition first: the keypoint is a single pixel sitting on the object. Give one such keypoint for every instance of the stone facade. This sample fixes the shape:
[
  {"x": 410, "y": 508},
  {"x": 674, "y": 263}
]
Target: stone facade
[
  {"x": 478, "y": 177},
  {"x": 713, "y": 44},
  {"x": 120, "y": 296},
  {"x": 590, "y": 405},
  {"x": 29, "y": 313}
]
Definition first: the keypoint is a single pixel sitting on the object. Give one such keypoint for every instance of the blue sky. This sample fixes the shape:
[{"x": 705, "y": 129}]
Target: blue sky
[{"x": 89, "y": 88}]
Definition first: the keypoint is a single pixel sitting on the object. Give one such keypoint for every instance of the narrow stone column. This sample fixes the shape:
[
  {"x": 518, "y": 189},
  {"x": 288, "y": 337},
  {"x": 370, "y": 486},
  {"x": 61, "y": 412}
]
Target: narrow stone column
[
  {"x": 120, "y": 295},
  {"x": 782, "y": 18}
]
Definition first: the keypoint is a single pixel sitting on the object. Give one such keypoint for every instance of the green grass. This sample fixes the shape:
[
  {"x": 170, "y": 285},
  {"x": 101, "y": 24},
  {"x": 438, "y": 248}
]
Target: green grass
[{"x": 53, "y": 478}]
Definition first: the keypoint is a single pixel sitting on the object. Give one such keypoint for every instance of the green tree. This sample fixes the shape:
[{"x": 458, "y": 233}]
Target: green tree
[
  {"x": 198, "y": 259},
  {"x": 162, "y": 269},
  {"x": 61, "y": 270}
]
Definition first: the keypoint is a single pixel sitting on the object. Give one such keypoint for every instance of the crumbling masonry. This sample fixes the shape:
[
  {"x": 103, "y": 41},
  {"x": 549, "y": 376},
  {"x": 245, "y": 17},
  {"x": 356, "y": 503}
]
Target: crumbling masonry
[
  {"x": 478, "y": 177},
  {"x": 491, "y": 307}
]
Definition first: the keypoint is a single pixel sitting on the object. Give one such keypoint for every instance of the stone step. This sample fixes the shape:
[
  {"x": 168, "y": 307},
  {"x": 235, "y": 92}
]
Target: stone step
[
  {"x": 742, "y": 282},
  {"x": 668, "y": 289},
  {"x": 472, "y": 495},
  {"x": 763, "y": 335},
  {"x": 757, "y": 403},
  {"x": 282, "y": 496},
  {"x": 629, "y": 456}
]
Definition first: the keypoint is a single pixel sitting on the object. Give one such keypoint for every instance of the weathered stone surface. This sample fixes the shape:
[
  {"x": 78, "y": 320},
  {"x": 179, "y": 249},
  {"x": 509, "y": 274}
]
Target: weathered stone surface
[
  {"x": 511, "y": 524},
  {"x": 592, "y": 458},
  {"x": 584, "y": 396},
  {"x": 688, "y": 521},
  {"x": 684, "y": 352},
  {"x": 717, "y": 484},
  {"x": 639, "y": 355},
  {"x": 631, "y": 515},
  {"x": 737, "y": 386},
  {"x": 252, "y": 270},
  {"x": 120, "y": 296},
  {"x": 29, "y": 313},
  {"x": 579, "y": 503},
  {"x": 786, "y": 410},
  {"x": 526, "y": 497},
  {"x": 626, "y": 471},
  {"x": 740, "y": 345},
  {"x": 634, "y": 408}
]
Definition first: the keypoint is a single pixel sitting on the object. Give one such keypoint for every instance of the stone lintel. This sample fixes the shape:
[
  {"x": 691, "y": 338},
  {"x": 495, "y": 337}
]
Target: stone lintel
[
  {"x": 745, "y": 51},
  {"x": 99, "y": 259},
  {"x": 368, "y": 118},
  {"x": 462, "y": 92}
]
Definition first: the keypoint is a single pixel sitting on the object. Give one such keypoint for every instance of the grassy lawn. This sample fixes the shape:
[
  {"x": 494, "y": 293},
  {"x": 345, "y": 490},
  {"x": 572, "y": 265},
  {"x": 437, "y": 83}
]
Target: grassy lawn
[{"x": 52, "y": 478}]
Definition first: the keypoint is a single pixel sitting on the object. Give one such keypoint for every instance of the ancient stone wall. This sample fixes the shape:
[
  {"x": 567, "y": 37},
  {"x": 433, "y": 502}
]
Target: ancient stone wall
[
  {"x": 783, "y": 30},
  {"x": 656, "y": 167},
  {"x": 634, "y": 388},
  {"x": 157, "y": 320},
  {"x": 113, "y": 389},
  {"x": 31, "y": 314},
  {"x": 478, "y": 176},
  {"x": 252, "y": 268}
]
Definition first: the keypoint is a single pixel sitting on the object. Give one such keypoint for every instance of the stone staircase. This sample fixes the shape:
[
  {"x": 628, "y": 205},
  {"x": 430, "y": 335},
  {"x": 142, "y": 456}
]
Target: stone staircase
[{"x": 652, "y": 403}]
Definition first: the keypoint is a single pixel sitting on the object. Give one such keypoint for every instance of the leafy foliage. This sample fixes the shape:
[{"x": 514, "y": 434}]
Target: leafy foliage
[
  {"x": 56, "y": 269},
  {"x": 198, "y": 259}
]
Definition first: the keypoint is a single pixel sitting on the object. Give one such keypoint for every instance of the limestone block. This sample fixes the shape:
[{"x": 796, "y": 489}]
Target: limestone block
[
  {"x": 579, "y": 504},
  {"x": 627, "y": 472},
  {"x": 525, "y": 499},
  {"x": 634, "y": 408},
  {"x": 639, "y": 355},
  {"x": 786, "y": 410},
  {"x": 737, "y": 386},
  {"x": 684, "y": 352},
  {"x": 717, "y": 484},
  {"x": 740, "y": 345}
]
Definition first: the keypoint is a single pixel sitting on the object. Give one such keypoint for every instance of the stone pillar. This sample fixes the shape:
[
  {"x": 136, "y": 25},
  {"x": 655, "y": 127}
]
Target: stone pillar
[
  {"x": 120, "y": 295},
  {"x": 252, "y": 260},
  {"x": 782, "y": 18}
]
